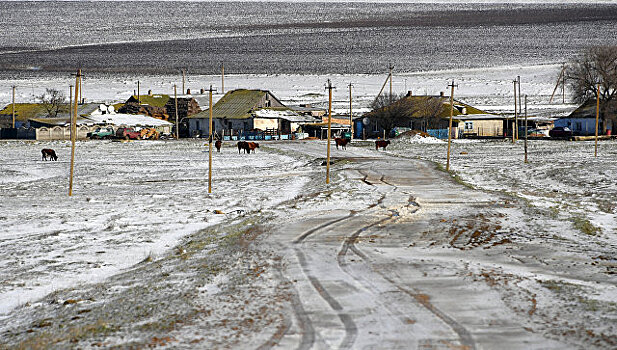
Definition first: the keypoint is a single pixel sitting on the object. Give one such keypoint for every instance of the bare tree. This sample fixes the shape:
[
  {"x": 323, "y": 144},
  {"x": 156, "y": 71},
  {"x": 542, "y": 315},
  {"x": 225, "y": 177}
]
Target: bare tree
[
  {"x": 597, "y": 64},
  {"x": 54, "y": 102},
  {"x": 390, "y": 111}
]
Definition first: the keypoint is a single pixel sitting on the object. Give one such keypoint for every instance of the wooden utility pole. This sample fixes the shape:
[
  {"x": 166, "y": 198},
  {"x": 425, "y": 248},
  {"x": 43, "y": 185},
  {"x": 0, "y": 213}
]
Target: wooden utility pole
[
  {"x": 595, "y": 153},
  {"x": 563, "y": 88},
  {"x": 350, "y": 113},
  {"x": 329, "y": 87},
  {"x": 210, "y": 144},
  {"x": 138, "y": 94},
  {"x": 71, "y": 102},
  {"x": 561, "y": 78},
  {"x": 74, "y": 129},
  {"x": 383, "y": 86},
  {"x": 176, "y": 103},
  {"x": 223, "y": 78},
  {"x": 390, "y": 67},
  {"x": 520, "y": 103},
  {"x": 515, "y": 121},
  {"x": 450, "y": 123},
  {"x": 81, "y": 88},
  {"x": 183, "y": 79},
  {"x": 13, "y": 106},
  {"x": 525, "y": 128}
]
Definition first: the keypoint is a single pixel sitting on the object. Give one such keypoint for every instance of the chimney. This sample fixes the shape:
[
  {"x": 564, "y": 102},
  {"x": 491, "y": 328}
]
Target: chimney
[
  {"x": 441, "y": 93},
  {"x": 409, "y": 94},
  {"x": 149, "y": 92}
]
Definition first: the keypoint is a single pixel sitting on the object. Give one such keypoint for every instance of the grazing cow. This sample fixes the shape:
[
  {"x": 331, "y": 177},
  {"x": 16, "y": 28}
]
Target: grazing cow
[
  {"x": 47, "y": 152},
  {"x": 381, "y": 143},
  {"x": 218, "y": 144},
  {"x": 341, "y": 142},
  {"x": 251, "y": 146},
  {"x": 242, "y": 145}
]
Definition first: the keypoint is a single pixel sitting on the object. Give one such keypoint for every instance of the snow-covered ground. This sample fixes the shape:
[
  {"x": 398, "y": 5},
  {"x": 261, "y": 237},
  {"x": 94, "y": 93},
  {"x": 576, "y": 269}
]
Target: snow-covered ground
[{"x": 393, "y": 252}]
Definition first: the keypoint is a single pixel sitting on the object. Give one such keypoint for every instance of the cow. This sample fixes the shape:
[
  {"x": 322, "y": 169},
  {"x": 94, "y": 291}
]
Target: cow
[
  {"x": 242, "y": 145},
  {"x": 341, "y": 142},
  {"x": 47, "y": 152},
  {"x": 381, "y": 143},
  {"x": 218, "y": 145},
  {"x": 252, "y": 146}
]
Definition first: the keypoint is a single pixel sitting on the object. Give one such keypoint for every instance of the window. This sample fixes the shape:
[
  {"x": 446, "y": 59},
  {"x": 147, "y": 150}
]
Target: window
[
  {"x": 579, "y": 126},
  {"x": 468, "y": 125},
  {"x": 197, "y": 124}
]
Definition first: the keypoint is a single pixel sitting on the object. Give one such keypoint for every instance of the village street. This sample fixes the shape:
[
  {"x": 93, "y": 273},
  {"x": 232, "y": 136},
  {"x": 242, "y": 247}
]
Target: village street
[
  {"x": 393, "y": 253},
  {"x": 377, "y": 276}
]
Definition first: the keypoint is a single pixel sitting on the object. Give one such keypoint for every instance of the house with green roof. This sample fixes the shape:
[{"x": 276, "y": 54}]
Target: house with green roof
[
  {"x": 244, "y": 111},
  {"x": 431, "y": 114}
]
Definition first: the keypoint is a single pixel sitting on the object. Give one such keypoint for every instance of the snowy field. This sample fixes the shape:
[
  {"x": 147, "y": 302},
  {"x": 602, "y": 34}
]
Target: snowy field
[
  {"x": 142, "y": 255},
  {"x": 490, "y": 89}
]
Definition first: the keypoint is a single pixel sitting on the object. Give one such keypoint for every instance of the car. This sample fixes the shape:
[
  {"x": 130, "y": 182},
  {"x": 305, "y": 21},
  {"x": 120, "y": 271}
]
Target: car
[
  {"x": 561, "y": 131},
  {"x": 128, "y": 134},
  {"x": 102, "y": 133}
]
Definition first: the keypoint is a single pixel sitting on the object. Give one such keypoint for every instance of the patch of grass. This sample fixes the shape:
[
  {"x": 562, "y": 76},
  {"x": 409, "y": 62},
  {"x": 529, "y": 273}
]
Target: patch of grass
[
  {"x": 585, "y": 226},
  {"x": 46, "y": 340},
  {"x": 554, "y": 211},
  {"x": 606, "y": 206}
]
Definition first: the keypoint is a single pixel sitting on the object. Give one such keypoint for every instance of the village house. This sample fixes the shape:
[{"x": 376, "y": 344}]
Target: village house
[
  {"x": 431, "y": 114},
  {"x": 248, "y": 114},
  {"x": 89, "y": 117},
  {"x": 151, "y": 105},
  {"x": 582, "y": 121}
]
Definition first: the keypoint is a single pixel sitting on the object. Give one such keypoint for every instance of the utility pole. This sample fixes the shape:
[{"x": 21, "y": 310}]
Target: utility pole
[
  {"x": 13, "y": 106},
  {"x": 563, "y": 86},
  {"x": 183, "y": 79},
  {"x": 329, "y": 87},
  {"x": 74, "y": 128},
  {"x": 176, "y": 103},
  {"x": 520, "y": 104},
  {"x": 138, "y": 94},
  {"x": 515, "y": 121},
  {"x": 350, "y": 113},
  {"x": 223, "y": 78},
  {"x": 71, "y": 102},
  {"x": 595, "y": 153},
  {"x": 450, "y": 123},
  {"x": 390, "y": 67},
  {"x": 210, "y": 144},
  {"x": 561, "y": 78},
  {"x": 81, "y": 88},
  {"x": 525, "y": 128}
]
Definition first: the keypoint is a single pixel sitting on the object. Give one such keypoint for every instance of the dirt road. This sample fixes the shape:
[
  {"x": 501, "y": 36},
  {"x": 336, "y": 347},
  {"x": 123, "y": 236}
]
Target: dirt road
[{"x": 414, "y": 269}]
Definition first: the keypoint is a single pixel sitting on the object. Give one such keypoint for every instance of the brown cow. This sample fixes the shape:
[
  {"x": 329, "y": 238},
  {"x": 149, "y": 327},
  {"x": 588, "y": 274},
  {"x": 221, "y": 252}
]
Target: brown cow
[
  {"x": 341, "y": 142},
  {"x": 48, "y": 152},
  {"x": 218, "y": 145},
  {"x": 381, "y": 143},
  {"x": 252, "y": 146}
]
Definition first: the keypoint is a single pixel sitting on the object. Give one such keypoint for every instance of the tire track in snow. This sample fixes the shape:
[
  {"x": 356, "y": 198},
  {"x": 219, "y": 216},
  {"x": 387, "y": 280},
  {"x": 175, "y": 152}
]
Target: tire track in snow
[{"x": 349, "y": 244}]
